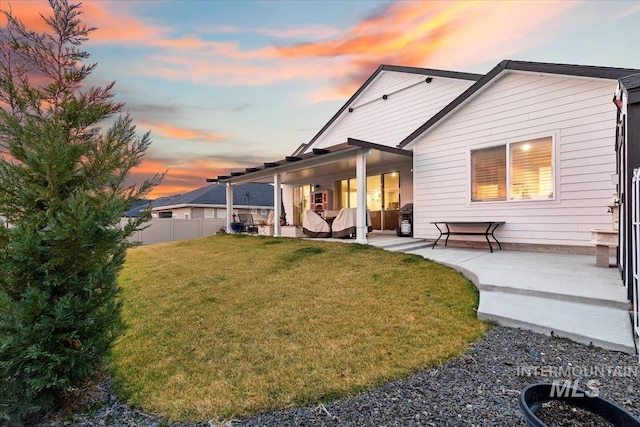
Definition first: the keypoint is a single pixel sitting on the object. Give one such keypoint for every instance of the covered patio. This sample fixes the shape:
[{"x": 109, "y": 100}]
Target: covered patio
[{"x": 353, "y": 161}]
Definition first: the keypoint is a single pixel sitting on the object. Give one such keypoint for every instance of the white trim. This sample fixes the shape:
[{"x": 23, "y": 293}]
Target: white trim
[
  {"x": 277, "y": 201},
  {"x": 361, "y": 196},
  {"x": 229, "y": 207}
]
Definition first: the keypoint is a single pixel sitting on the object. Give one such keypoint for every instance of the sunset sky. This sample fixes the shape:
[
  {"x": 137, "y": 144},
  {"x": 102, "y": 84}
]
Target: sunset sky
[{"x": 224, "y": 85}]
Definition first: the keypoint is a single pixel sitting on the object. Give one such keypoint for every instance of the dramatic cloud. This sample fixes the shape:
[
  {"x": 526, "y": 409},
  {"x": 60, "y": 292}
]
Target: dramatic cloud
[
  {"x": 431, "y": 34},
  {"x": 434, "y": 34},
  {"x": 180, "y": 133},
  {"x": 184, "y": 174},
  {"x": 97, "y": 14}
]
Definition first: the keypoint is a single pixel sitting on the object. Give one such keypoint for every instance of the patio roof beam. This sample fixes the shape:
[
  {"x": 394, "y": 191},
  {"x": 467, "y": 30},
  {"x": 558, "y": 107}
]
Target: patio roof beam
[
  {"x": 267, "y": 173},
  {"x": 317, "y": 157}
]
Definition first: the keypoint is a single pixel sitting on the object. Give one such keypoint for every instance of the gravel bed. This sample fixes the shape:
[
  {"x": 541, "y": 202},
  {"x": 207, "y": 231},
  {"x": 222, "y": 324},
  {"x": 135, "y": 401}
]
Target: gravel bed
[{"x": 479, "y": 388}]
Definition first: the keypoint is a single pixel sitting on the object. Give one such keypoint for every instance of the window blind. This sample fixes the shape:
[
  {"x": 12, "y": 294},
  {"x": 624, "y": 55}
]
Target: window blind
[
  {"x": 488, "y": 174},
  {"x": 531, "y": 174}
]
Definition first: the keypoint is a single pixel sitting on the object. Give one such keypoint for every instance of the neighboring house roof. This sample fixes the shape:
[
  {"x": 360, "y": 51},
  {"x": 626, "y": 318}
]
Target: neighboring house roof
[
  {"x": 137, "y": 208},
  {"x": 412, "y": 70},
  {"x": 522, "y": 66},
  {"x": 253, "y": 194},
  {"x": 631, "y": 85}
]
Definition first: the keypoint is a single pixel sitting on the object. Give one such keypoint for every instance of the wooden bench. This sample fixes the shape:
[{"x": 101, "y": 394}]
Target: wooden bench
[{"x": 468, "y": 228}]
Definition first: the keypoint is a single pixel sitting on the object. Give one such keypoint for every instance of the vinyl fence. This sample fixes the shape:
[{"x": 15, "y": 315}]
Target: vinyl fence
[{"x": 160, "y": 230}]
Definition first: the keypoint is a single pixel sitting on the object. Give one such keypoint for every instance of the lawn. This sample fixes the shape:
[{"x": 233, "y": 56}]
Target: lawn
[{"x": 231, "y": 325}]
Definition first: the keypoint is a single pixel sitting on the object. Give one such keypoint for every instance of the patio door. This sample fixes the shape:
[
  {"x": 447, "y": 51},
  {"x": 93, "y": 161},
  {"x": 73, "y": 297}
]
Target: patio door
[{"x": 383, "y": 198}]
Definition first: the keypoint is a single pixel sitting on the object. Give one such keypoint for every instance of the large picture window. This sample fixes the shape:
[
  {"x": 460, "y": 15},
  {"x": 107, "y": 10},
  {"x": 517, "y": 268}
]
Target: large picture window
[{"x": 516, "y": 171}]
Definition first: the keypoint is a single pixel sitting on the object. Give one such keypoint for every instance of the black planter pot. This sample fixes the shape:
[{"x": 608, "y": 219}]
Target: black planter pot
[{"x": 534, "y": 395}]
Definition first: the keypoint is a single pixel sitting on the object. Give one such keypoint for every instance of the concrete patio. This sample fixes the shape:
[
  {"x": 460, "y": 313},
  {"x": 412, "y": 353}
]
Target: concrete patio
[{"x": 560, "y": 294}]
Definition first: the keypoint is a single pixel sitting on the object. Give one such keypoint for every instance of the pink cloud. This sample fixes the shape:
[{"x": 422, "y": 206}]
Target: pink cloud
[
  {"x": 176, "y": 132},
  {"x": 433, "y": 34},
  {"x": 111, "y": 27},
  {"x": 182, "y": 175},
  {"x": 633, "y": 9},
  {"x": 448, "y": 35}
]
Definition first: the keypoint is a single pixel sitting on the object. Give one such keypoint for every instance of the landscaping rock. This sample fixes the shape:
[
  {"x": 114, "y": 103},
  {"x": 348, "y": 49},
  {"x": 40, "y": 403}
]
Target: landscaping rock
[{"x": 479, "y": 388}]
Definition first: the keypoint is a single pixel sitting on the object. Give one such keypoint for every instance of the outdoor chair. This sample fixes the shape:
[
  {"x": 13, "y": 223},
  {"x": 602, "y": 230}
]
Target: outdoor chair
[
  {"x": 249, "y": 226},
  {"x": 344, "y": 225},
  {"x": 314, "y": 226}
]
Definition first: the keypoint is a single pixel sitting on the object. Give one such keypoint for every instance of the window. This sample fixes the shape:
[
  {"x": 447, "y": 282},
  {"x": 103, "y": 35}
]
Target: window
[
  {"x": 208, "y": 213},
  {"x": 488, "y": 175},
  {"x": 516, "y": 171}
]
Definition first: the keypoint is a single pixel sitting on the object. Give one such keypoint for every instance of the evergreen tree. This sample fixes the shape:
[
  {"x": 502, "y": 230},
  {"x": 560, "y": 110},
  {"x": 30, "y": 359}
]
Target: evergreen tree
[{"x": 63, "y": 193}]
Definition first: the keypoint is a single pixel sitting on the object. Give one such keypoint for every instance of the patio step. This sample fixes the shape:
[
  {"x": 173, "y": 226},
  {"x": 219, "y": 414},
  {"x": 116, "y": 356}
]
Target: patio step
[
  {"x": 555, "y": 294},
  {"x": 402, "y": 244},
  {"x": 602, "y": 325}
]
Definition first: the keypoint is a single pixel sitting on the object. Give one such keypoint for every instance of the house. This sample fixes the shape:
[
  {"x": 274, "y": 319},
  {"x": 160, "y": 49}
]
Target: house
[
  {"x": 210, "y": 202},
  {"x": 530, "y": 144}
]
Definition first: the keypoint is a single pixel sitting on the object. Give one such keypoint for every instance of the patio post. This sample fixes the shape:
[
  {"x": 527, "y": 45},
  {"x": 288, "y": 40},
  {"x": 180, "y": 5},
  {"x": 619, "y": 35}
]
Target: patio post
[
  {"x": 277, "y": 203},
  {"x": 361, "y": 196},
  {"x": 229, "y": 219}
]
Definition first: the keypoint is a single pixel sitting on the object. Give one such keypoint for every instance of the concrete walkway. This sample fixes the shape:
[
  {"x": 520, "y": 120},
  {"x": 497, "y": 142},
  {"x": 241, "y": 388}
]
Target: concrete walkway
[{"x": 559, "y": 294}]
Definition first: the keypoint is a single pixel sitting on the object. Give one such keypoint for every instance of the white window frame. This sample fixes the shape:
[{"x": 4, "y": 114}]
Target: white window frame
[{"x": 507, "y": 146}]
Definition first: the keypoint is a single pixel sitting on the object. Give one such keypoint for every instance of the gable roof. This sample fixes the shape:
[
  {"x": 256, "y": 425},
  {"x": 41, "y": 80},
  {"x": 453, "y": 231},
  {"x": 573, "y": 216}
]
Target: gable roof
[
  {"x": 412, "y": 70},
  {"x": 253, "y": 194},
  {"x": 588, "y": 71}
]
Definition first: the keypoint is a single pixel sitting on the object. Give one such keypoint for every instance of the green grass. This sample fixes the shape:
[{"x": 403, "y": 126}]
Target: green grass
[{"x": 228, "y": 325}]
